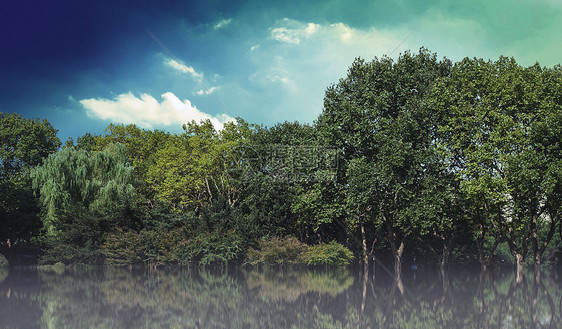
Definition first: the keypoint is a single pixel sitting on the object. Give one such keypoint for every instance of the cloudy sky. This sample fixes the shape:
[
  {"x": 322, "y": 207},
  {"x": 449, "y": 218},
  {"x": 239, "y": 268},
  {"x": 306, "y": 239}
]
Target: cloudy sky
[{"x": 158, "y": 64}]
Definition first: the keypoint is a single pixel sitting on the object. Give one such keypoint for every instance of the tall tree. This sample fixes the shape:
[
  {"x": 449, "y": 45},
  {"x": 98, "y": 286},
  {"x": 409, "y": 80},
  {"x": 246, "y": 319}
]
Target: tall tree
[
  {"x": 376, "y": 118},
  {"x": 25, "y": 143},
  {"x": 501, "y": 122}
]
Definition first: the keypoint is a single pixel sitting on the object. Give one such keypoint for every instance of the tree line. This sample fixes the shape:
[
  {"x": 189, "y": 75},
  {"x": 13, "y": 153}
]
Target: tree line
[{"x": 414, "y": 157}]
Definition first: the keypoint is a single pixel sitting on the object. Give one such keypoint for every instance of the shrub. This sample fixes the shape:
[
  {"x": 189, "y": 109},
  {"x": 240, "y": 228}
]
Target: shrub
[
  {"x": 57, "y": 268},
  {"x": 71, "y": 254},
  {"x": 4, "y": 271},
  {"x": 287, "y": 250},
  {"x": 123, "y": 248},
  {"x": 78, "y": 238},
  {"x": 3, "y": 261},
  {"x": 217, "y": 247},
  {"x": 332, "y": 253}
]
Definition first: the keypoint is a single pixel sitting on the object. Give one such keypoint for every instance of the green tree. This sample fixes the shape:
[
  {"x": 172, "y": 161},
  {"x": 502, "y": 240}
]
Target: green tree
[
  {"x": 192, "y": 169},
  {"x": 142, "y": 147},
  {"x": 501, "y": 126},
  {"x": 25, "y": 143},
  {"x": 74, "y": 181},
  {"x": 377, "y": 118},
  {"x": 274, "y": 200}
]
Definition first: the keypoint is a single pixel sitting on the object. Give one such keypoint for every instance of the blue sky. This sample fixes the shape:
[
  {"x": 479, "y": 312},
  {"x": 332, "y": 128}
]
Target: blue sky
[{"x": 82, "y": 65}]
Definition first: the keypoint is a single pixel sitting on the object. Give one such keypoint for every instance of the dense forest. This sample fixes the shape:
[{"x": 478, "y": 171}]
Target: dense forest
[{"x": 417, "y": 158}]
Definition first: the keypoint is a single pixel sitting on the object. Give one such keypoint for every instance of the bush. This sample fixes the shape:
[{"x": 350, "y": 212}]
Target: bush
[
  {"x": 287, "y": 250},
  {"x": 331, "y": 253},
  {"x": 123, "y": 248},
  {"x": 58, "y": 268},
  {"x": 3, "y": 261},
  {"x": 78, "y": 238},
  {"x": 4, "y": 271},
  {"x": 209, "y": 248},
  {"x": 71, "y": 254}
]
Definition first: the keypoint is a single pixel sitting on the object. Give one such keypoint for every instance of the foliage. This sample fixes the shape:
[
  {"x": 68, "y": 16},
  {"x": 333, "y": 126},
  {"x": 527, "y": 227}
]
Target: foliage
[
  {"x": 24, "y": 144},
  {"x": 19, "y": 212},
  {"x": 332, "y": 253},
  {"x": 190, "y": 170},
  {"x": 277, "y": 251},
  {"x": 376, "y": 116},
  {"x": 499, "y": 123},
  {"x": 79, "y": 238},
  {"x": 435, "y": 158},
  {"x": 123, "y": 248},
  {"x": 3, "y": 261},
  {"x": 57, "y": 268},
  {"x": 210, "y": 248},
  {"x": 73, "y": 178}
]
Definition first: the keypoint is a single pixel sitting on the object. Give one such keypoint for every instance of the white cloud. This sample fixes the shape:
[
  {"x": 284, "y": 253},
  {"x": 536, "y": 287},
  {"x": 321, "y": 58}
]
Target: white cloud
[
  {"x": 291, "y": 31},
  {"x": 222, "y": 23},
  {"x": 302, "y": 59},
  {"x": 147, "y": 112},
  {"x": 285, "y": 35},
  {"x": 309, "y": 56},
  {"x": 203, "y": 92},
  {"x": 344, "y": 32},
  {"x": 183, "y": 68}
]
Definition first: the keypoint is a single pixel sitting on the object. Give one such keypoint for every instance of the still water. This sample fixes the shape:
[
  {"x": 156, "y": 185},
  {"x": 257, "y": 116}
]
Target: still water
[{"x": 277, "y": 298}]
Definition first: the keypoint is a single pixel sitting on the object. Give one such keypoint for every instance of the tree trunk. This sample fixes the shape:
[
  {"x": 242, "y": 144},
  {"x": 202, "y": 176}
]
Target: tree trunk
[
  {"x": 480, "y": 243},
  {"x": 398, "y": 259},
  {"x": 535, "y": 242},
  {"x": 397, "y": 246},
  {"x": 537, "y": 260},
  {"x": 538, "y": 250},
  {"x": 364, "y": 295},
  {"x": 520, "y": 266},
  {"x": 364, "y": 244},
  {"x": 446, "y": 256}
]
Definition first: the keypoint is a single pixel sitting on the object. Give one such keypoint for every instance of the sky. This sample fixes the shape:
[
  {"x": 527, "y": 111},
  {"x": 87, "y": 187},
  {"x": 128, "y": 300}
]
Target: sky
[{"x": 159, "y": 64}]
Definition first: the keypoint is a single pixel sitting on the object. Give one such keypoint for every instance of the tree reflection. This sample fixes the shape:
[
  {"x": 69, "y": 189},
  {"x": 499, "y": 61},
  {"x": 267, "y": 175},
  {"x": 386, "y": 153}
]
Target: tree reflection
[{"x": 274, "y": 298}]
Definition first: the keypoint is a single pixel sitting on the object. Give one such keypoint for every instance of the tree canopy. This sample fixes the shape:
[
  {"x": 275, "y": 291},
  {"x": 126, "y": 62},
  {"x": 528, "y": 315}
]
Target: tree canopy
[{"x": 410, "y": 157}]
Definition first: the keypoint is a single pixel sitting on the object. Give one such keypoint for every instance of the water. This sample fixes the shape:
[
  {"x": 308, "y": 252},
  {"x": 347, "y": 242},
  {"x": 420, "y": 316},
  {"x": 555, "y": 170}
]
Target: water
[{"x": 276, "y": 298}]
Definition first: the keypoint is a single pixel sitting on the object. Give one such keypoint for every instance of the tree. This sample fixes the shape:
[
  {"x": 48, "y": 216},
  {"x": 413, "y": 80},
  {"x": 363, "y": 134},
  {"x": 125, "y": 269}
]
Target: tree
[
  {"x": 142, "y": 147},
  {"x": 192, "y": 169},
  {"x": 72, "y": 179},
  {"x": 25, "y": 143},
  {"x": 376, "y": 118},
  {"x": 501, "y": 126}
]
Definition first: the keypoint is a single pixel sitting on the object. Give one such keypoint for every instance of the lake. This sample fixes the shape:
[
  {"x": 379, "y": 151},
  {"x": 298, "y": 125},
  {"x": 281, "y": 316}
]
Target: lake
[{"x": 277, "y": 298}]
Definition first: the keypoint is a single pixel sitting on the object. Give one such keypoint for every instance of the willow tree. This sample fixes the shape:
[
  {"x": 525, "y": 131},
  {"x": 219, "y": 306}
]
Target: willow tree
[
  {"x": 74, "y": 178},
  {"x": 376, "y": 117}
]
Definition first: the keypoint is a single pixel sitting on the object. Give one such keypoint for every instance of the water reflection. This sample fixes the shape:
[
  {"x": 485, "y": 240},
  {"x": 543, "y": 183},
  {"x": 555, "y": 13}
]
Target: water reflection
[{"x": 274, "y": 298}]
